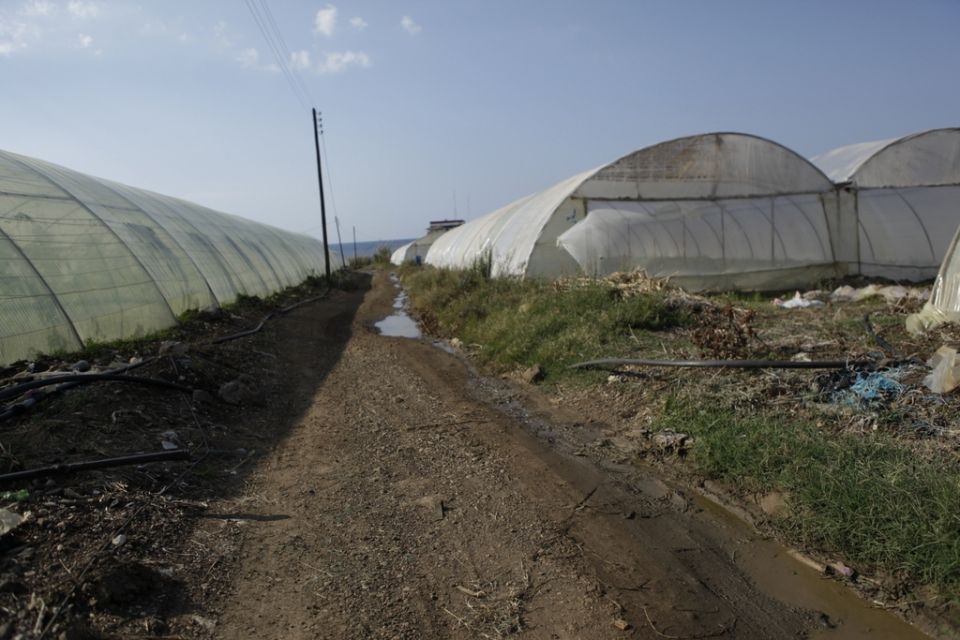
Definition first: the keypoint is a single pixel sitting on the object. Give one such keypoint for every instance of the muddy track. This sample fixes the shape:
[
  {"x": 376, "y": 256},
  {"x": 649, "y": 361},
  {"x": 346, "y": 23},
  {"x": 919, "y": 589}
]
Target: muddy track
[{"x": 412, "y": 499}]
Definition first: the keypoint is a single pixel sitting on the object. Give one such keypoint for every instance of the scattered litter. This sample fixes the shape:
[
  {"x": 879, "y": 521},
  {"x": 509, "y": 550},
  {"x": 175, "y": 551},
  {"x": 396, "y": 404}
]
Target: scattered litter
[
  {"x": 14, "y": 496},
  {"x": 840, "y": 569},
  {"x": 797, "y": 302},
  {"x": 9, "y": 521},
  {"x": 890, "y": 293},
  {"x": 168, "y": 446},
  {"x": 946, "y": 370},
  {"x": 875, "y": 385},
  {"x": 119, "y": 540},
  {"x": 930, "y": 317},
  {"x": 621, "y": 624},
  {"x": 670, "y": 440}
]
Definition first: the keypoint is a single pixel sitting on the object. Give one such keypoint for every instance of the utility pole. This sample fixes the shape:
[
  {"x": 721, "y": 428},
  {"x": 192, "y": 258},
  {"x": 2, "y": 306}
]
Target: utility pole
[
  {"x": 343, "y": 258},
  {"x": 317, "y": 130},
  {"x": 354, "y": 244}
]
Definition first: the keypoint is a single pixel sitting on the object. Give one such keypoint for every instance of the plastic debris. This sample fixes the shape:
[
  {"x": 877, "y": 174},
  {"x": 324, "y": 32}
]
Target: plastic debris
[
  {"x": 14, "y": 496},
  {"x": 930, "y": 317},
  {"x": 890, "y": 293},
  {"x": 875, "y": 385},
  {"x": 119, "y": 540},
  {"x": 9, "y": 521},
  {"x": 946, "y": 371},
  {"x": 797, "y": 302}
]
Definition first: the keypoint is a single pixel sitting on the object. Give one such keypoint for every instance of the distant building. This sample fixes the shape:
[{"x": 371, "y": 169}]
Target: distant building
[{"x": 416, "y": 251}]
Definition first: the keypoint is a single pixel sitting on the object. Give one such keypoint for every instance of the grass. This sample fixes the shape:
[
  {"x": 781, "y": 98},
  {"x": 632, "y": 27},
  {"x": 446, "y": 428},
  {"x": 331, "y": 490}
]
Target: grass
[
  {"x": 519, "y": 323},
  {"x": 883, "y": 501},
  {"x": 868, "y": 498}
]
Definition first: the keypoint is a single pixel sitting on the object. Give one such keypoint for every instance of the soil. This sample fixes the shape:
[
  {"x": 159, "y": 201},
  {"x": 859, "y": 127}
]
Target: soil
[{"x": 377, "y": 487}]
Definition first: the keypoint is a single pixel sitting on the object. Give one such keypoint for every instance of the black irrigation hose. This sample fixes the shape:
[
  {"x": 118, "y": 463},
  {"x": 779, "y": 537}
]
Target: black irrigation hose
[
  {"x": 888, "y": 348},
  {"x": 71, "y": 381},
  {"x": 84, "y": 378},
  {"x": 12, "y": 410},
  {"x": 263, "y": 321},
  {"x": 89, "y": 465},
  {"x": 725, "y": 364}
]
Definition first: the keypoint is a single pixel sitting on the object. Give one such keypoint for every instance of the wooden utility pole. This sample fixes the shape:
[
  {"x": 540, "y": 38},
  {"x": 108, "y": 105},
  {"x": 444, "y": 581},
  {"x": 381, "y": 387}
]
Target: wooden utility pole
[{"x": 317, "y": 130}]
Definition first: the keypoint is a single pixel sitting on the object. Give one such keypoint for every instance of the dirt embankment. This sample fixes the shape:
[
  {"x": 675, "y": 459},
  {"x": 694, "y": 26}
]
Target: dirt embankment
[{"x": 397, "y": 494}]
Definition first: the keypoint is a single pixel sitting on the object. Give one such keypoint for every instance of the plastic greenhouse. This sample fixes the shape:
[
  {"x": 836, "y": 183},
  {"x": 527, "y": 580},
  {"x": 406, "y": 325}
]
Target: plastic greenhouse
[
  {"x": 944, "y": 303},
  {"x": 85, "y": 259},
  {"x": 719, "y": 210},
  {"x": 904, "y": 194},
  {"x": 416, "y": 251}
]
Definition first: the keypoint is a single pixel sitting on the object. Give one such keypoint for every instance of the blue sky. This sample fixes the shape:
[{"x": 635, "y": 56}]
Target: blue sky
[{"x": 431, "y": 105}]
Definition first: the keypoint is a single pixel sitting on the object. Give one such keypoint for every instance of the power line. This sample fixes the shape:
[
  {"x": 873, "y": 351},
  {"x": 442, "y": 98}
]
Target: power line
[
  {"x": 285, "y": 49},
  {"x": 299, "y": 90}
]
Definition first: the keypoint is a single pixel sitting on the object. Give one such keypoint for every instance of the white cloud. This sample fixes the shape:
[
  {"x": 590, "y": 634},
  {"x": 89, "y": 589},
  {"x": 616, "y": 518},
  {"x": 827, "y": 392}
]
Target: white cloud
[
  {"x": 221, "y": 34},
  {"x": 250, "y": 59},
  {"x": 13, "y": 36},
  {"x": 338, "y": 61},
  {"x": 38, "y": 8},
  {"x": 300, "y": 60},
  {"x": 82, "y": 9},
  {"x": 85, "y": 41},
  {"x": 326, "y": 20},
  {"x": 410, "y": 26},
  {"x": 358, "y": 23}
]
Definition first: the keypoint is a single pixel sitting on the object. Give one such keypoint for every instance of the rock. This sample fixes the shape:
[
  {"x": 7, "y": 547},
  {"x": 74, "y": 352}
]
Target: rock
[
  {"x": 773, "y": 504},
  {"x": 670, "y": 440},
  {"x": 173, "y": 348},
  {"x": 9, "y": 521},
  {"x": 119, "y": 540},
  {"x": 534, "y": 374},
  {"x": 80, "y": 366},
  {"x": 233, "y": 392},
  {"x": 202, "y": 397}
]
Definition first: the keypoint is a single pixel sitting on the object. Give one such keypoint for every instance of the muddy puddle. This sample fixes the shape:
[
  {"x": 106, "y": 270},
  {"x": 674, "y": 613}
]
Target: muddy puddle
[
  {"x": 399, "y": 324},
  {"x": 782, "y": 576}
]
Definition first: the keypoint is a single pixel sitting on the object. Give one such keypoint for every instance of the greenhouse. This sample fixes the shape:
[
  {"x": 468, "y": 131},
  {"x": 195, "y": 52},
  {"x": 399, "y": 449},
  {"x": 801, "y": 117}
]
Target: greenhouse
[
  {"x": 904, "y": 194},
  {"x": 416, "y": 251},
  {"x": 719, "y": 210},
  {"x": 88, "y": 260}
]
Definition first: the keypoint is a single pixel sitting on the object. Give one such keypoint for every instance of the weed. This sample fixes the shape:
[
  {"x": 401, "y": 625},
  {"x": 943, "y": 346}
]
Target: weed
[
  {"x": 868, "y": 497},
  {"x": 526, "y": 322}
]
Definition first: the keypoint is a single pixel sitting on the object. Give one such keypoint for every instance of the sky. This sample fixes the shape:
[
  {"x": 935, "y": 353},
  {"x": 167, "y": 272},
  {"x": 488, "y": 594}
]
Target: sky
[{"x": 447, "y": 108}]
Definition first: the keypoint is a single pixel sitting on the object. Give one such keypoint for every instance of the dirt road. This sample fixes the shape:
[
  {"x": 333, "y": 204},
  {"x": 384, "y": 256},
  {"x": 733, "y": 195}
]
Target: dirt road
[{"x": 412, "y": 499}]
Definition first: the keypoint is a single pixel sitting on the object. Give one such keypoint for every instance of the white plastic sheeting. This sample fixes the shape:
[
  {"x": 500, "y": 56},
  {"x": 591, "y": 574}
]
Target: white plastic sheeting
[
  {"x": 416, "y": 250},
  {"x": 707, "y": 209},
  {"x": 905, "y": 196},
  {"x": 517, "y": 239},
  {"x": 85, "y": 259},
  {"x": 944, "y": 303}
]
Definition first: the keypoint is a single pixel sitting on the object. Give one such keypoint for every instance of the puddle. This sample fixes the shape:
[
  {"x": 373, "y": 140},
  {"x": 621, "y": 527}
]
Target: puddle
[
  {"x": 399, "y": 324},
  {"x": 785, "y": 578}
]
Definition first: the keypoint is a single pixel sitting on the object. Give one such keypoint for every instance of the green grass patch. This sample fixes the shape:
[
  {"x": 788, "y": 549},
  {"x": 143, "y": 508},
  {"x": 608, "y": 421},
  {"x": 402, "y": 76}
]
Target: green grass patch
[
  {"x": 519, "y": 323},
  {"x": 869, "y": 498}
]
